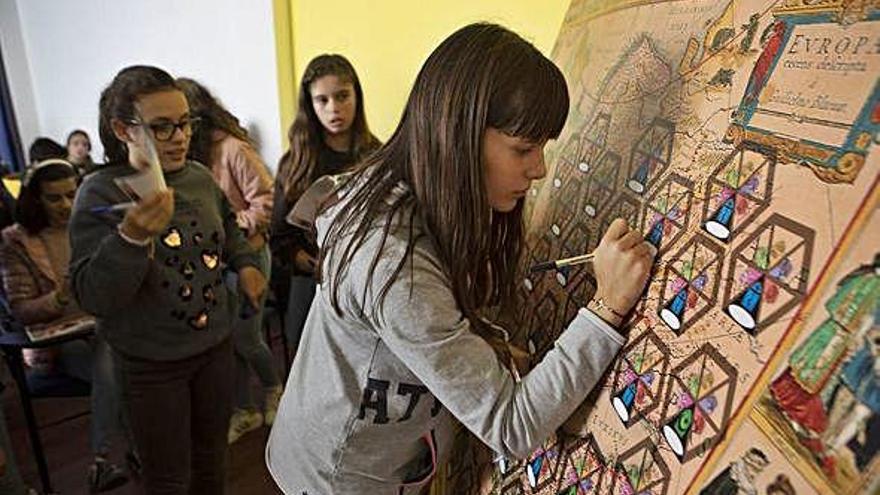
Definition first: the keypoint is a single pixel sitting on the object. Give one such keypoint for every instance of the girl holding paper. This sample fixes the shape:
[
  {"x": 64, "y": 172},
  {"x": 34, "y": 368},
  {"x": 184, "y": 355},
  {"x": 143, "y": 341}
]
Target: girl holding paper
[{"x": 153, "y": 276}]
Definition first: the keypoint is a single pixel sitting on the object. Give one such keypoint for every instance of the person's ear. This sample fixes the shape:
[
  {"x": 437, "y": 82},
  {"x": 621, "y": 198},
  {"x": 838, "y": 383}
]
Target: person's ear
[{"x": 121, "y": 131}]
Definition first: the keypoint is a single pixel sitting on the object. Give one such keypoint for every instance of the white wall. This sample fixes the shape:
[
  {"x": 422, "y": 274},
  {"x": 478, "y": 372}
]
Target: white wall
[
  {"x": 19, "y": 72},
  {"x": 74, "y": 49}
]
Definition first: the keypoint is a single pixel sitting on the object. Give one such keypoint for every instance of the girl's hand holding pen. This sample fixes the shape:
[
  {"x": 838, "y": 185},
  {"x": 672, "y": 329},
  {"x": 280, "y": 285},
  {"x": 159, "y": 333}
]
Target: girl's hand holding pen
[
  {"x": 149, "y": 217},
  {"x": 114, "y": 207},
  {"x": 622, "y": 264}
]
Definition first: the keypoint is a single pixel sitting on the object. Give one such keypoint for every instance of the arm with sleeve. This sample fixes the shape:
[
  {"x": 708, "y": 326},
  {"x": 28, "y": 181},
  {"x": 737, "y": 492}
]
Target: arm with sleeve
[
  {"x": 28, "y": 306},
  {"x": 256, "y": 187},
  {"x": 238, "y": 252},
  {"x": 287, "y": 239},
  {"x": 421, "y": 323},
  {"x": 106, "y": 270}
]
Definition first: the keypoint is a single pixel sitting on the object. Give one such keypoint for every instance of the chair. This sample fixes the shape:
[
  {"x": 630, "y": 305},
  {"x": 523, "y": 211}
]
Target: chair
[{"x": 13, "y": 340}]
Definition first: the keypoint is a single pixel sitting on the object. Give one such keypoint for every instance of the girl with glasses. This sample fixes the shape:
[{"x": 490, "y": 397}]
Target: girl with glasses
[{"x": 153, "y": 275}]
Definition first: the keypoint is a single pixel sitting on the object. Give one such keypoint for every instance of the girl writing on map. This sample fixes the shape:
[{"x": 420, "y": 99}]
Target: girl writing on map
[{"x": 415, "y": 246}]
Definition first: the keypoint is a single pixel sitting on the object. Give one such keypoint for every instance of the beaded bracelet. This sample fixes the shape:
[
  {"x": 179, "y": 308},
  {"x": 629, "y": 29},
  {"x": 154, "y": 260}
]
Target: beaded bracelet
[{"x": 603, "y": 305}]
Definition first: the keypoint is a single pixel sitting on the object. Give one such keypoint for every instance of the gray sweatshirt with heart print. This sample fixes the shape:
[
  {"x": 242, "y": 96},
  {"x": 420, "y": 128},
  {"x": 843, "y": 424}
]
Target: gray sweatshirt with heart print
[{"x": 167, "y": 301}]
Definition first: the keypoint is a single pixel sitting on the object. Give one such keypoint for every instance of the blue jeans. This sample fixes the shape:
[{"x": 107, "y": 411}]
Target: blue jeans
[
  {"x": 251, "y": 352},
  {"x": 92, "y": 362}
]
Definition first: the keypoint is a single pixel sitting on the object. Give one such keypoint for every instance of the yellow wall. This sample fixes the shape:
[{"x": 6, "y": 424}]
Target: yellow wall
[
  {"x": 283, "y": 28},
  {"x": 387, "y": 41}
]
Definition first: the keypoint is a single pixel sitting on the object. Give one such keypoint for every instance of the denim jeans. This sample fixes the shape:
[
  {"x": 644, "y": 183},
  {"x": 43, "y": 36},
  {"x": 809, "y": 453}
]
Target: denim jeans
[
  {"x": 92, "y": 361},
  {"x": 251, "y": 351}
]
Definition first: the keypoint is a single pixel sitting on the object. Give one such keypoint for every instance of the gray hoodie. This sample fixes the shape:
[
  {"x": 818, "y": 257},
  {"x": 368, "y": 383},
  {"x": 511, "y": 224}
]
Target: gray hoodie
[{"x": 368, "y": 405}]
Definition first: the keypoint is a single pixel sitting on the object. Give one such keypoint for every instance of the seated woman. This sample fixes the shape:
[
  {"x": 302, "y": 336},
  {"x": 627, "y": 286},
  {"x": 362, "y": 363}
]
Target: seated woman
[{"x": 33, "y": 266}]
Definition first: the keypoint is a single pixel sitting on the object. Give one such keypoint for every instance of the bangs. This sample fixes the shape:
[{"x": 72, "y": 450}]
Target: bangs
[{"x": 533, "y": 105}]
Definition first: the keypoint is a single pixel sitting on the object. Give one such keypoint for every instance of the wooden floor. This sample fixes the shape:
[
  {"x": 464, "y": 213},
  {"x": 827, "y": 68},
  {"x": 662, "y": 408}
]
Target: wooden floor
[{"x": 65, "y": 442}]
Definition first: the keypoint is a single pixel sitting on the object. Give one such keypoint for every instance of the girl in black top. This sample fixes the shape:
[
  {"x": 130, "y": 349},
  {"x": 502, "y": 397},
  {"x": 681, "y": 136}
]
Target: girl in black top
[{"x": 328, "y": 136}]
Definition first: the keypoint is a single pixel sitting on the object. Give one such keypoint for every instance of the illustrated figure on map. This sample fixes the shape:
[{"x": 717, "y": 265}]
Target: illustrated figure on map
[
  {"x": 836, "y": 346},
  {"x": 772, "y": 41},
  {"x": 855, "y": 401},
  {"x": 739, "y": 477}
]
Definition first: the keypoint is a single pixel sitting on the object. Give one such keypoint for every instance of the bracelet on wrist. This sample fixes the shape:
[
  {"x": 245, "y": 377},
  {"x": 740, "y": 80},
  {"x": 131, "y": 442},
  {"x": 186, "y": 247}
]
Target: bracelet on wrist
[
  {"x": 601, "y": 306},
  {"x": 131, "y": 240}
]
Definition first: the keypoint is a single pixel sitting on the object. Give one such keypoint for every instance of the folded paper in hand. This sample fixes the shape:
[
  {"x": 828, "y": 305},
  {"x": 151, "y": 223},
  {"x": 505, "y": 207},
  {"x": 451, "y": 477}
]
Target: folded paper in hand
[{"x": 149, "y": 180}]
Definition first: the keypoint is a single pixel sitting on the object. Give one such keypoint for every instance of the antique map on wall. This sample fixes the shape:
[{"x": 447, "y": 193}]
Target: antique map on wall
[{"x": 741, "y": 137}]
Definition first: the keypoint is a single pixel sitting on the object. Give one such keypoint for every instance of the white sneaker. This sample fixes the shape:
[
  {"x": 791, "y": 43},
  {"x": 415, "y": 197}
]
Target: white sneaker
[
  {"x": 273, "y": 397},
  {"x": 243, "y": 421}
]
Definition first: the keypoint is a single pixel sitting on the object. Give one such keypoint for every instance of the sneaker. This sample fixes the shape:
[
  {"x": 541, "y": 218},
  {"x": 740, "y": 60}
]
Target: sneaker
[
  {"x": 105, "y": 476},
  {"x": 273, "y": 397},
  {"x": 243, "y": 421}
]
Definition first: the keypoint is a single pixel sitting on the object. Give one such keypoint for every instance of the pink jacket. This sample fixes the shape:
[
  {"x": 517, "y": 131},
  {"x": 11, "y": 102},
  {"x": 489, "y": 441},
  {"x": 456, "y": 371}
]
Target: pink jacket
[
  {"x": 243, "y": 176},
  {"x": 29, "y": 280},
  {"x": 30, "y": 284}
]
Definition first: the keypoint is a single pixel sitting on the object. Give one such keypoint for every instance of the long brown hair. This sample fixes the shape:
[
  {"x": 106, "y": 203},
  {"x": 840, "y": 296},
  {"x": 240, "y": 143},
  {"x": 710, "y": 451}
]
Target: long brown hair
[
  {"x": 483, "y": 75},
  {"x": 297, "y": 167},
  {"x": 214, "y": 116}
]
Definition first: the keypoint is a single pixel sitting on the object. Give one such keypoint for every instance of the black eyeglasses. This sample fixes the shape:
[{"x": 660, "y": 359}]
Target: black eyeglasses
[{"x": 164, "y": 131}]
